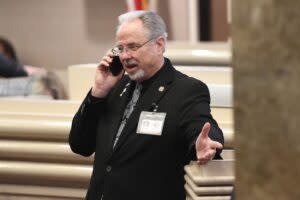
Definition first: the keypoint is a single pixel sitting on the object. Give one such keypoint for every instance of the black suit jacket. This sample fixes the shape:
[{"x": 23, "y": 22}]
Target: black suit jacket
[{"x": 143, "y": 166}]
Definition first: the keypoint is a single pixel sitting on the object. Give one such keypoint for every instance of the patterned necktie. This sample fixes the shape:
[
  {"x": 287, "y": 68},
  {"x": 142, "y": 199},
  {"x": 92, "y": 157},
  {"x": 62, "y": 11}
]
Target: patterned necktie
[{"x": 129, "y": 109}]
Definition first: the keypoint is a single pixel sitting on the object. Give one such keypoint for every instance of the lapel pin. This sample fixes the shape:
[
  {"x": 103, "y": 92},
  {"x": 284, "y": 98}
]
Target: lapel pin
[
  {"x": 124, "y": 90},
  {"x": 161, "y": 88}
]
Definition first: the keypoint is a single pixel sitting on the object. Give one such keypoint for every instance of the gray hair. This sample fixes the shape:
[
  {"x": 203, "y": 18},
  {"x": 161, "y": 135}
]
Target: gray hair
[{"x": 153, "y": 23}]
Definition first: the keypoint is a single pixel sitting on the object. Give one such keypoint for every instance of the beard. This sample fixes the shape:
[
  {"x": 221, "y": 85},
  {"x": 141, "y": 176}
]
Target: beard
[{"x": 138, "y": 75}]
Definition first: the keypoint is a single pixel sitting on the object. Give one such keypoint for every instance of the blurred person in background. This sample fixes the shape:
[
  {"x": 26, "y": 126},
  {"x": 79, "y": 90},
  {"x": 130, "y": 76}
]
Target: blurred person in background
[
  {"x": 17, "y": 80},
  {"x": 9, "y": 65}
]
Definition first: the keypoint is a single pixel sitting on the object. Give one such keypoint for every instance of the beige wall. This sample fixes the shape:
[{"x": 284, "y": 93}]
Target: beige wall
[
  {"x": 57, "y": 33},
  {"x": 177, "y": 18}
]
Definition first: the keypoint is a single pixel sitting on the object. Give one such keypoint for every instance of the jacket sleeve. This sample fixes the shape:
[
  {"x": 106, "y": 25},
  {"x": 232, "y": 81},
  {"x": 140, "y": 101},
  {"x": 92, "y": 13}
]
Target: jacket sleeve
[
  {"x": 82, "y": 137},
  {"x": 195, "y": 113}
]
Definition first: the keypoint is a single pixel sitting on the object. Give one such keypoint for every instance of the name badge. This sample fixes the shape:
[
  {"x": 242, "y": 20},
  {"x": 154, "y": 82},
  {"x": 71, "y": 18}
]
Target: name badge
[{"x": 151, "y": 123}]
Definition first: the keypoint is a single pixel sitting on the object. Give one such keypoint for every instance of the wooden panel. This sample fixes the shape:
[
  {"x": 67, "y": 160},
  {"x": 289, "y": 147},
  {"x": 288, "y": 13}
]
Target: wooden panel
[
  {"x": 33, "y": 192},
  {"x": 55, "y": 152},
  {"x": 34, "y": 130},
  {"x": 49, "y": 174},
  {"x": 50, "y": 107}
]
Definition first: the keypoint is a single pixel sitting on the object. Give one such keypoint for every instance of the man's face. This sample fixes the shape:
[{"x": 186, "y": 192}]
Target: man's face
[{"x": 141, "y": 63}]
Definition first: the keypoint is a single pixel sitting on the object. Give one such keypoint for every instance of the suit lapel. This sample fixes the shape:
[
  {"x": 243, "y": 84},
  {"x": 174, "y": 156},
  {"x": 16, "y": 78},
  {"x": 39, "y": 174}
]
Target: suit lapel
[{"x": 147, "y": 102}]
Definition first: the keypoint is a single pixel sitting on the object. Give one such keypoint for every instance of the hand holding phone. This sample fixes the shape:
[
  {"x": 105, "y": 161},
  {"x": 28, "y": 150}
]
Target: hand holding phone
[
  {"x": 116, "y": 66},
  {"x": 104, "y": 81}
]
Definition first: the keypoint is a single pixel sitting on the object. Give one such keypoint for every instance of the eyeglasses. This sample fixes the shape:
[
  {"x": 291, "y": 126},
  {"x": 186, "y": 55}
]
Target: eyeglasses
[{"x": 129, "y": 47}]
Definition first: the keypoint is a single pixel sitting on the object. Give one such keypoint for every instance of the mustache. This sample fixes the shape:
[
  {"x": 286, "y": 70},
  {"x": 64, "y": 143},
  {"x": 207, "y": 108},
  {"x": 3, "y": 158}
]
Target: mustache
[{"x": 130, "y": 62}]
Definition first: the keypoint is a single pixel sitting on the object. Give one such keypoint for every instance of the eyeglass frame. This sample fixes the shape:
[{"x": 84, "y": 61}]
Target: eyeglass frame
[{"x": 116, "y": 50}]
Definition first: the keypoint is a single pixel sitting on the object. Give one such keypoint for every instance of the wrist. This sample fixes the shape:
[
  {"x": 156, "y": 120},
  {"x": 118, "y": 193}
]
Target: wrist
[{"x": 98, "y": 93}]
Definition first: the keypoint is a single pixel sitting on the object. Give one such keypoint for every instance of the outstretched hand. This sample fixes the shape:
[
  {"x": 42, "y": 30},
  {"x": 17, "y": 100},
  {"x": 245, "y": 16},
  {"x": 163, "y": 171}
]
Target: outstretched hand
[{"x": 205, "y": 147}]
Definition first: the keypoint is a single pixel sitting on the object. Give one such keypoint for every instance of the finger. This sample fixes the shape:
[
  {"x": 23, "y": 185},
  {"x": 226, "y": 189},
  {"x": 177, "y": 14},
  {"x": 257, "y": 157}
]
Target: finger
[
  {"x": 202, "y": 162},
  {"x": 106, "y": 61},
  {"x": 215, "y": 145},
  {"x": 109, "y": 53},
  {"x": 210, "y": 154},
  {"x": 205, "y": 159},
  {"x": 107, "y": 58},
  {"x": 103, "y": 66}
]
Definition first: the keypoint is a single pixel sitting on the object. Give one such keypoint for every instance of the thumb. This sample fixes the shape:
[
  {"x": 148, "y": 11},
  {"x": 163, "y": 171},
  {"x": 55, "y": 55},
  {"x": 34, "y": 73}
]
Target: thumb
[
  {"x": 203, "y": 134},
  {"x": 205, "y": 130}
]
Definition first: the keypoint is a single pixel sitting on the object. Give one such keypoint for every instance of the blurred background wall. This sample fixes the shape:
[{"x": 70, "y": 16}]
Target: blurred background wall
[{"x": 57, "y": 33}]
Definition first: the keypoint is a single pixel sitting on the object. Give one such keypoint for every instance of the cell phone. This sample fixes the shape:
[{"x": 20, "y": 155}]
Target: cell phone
[{"x": 116, "y": 66}]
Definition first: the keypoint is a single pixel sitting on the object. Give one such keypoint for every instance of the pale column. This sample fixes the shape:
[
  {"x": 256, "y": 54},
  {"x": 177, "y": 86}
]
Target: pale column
[{"x": 266, "y": 61}]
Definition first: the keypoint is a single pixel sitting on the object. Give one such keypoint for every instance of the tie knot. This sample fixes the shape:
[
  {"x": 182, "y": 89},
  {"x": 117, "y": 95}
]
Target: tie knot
[
  {"x": 137, "y": 90},
  {"x": 138, "y": 86}
]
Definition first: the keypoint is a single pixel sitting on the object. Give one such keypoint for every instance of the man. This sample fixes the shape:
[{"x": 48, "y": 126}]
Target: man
[{"x": 145, "y": 126}]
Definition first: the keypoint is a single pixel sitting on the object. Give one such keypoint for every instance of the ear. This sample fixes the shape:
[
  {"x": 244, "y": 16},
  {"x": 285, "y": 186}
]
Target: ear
[{"x": 161, "y": 43}]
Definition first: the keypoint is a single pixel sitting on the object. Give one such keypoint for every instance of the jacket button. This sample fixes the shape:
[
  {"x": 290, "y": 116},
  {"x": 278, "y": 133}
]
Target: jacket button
[{"x": 108, "y": 168}]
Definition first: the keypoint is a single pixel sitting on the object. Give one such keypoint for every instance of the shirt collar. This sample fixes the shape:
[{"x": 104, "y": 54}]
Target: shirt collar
[{"x": 148, "y": 82}]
